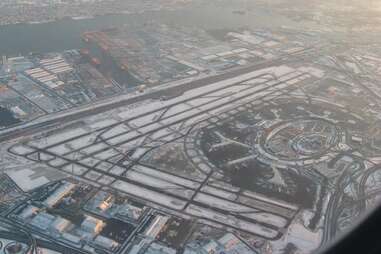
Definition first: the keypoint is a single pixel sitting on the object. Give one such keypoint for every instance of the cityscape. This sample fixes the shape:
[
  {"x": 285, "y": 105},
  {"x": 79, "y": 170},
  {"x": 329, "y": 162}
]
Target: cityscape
[
  {"x": 41, "y": 11},
  {"x": 163, "y": 138}
]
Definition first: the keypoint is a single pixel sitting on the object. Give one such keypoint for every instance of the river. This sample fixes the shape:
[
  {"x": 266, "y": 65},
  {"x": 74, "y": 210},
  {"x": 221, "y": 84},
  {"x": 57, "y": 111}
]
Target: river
[{"x": 65, "y": 34}]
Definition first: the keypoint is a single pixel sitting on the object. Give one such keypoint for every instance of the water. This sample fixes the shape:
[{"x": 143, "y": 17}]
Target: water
[
  {"x": 65, "y": 34},
  {"x": 7, "y": 118}
]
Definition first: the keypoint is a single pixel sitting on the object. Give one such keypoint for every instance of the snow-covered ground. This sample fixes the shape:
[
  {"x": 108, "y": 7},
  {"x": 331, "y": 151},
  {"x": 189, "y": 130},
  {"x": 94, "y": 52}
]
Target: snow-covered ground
[
  {"x": 137, "y": 129},
  {"x": 231, "y": 221},
  {"x": 149, "y": 195}
]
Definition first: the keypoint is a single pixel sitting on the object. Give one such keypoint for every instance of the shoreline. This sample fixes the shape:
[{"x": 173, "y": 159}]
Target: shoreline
[{"x": 86, "y": 17}]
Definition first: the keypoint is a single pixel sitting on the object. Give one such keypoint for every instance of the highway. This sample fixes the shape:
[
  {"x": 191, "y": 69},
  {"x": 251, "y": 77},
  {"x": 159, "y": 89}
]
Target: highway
[
  {"x": 19, "y": 234},
  {"x": 362, "y": 195},
  {"x": 334, "y": 205}
]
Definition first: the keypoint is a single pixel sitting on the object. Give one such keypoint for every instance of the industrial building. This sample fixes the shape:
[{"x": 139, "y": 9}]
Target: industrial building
[
  {"x": 92, "y": 225},
  {"x": 58, "y": 194}
]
